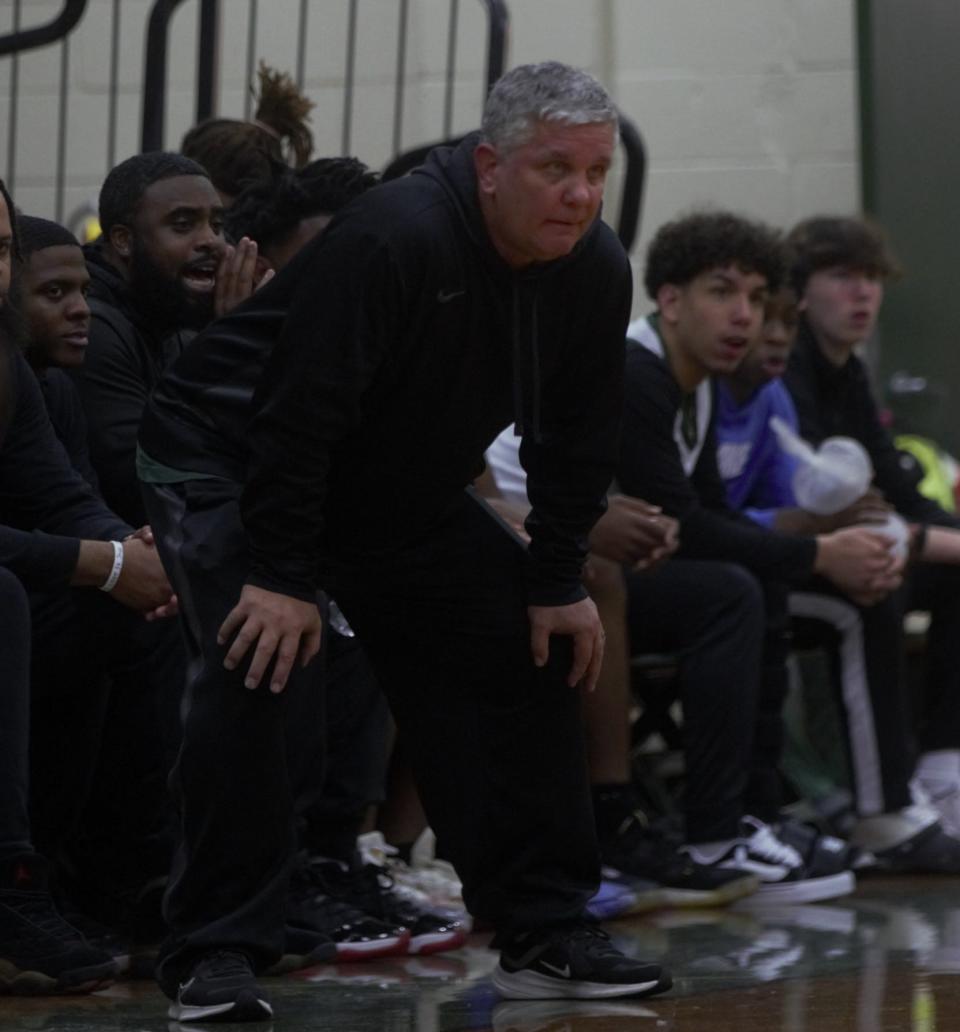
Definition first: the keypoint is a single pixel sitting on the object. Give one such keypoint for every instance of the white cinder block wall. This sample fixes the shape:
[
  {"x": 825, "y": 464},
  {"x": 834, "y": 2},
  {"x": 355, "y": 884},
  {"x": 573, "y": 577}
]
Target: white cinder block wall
[{"x": 748, "y": 104}]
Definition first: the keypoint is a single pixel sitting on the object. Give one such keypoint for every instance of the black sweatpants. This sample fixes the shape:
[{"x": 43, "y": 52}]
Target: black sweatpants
[
  {"x": 712, "y": 613},
  {"x": 14, "y": 715},
  {"x": 497, "y": 743}
]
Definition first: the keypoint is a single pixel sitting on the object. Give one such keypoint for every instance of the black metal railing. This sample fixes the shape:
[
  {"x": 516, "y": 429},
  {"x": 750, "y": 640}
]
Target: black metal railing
[
  {"x": 155, "y": 92},
  {"x": 153, "y": 85}
]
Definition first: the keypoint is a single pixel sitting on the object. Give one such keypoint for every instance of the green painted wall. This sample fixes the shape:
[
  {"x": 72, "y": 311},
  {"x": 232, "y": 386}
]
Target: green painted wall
[{"x": 910, "y": 103}]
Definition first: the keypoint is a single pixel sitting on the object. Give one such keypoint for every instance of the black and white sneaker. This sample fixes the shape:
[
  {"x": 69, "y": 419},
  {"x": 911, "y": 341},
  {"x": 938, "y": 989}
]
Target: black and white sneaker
[
  {"x": 638, "y": 851},
  {"x": 221, "y": 987},
  {"x": 821, "y": 854},
  {"x": 784, "y": 877},
  {"x": 571, "y": 962}
]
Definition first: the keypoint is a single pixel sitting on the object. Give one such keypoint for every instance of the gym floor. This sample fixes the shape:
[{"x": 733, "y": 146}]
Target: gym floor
[{"x": 885, "y": 959}]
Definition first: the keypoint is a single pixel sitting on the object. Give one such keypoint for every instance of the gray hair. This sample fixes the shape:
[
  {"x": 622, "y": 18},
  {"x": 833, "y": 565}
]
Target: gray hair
[{"x": 546, "y": 92}]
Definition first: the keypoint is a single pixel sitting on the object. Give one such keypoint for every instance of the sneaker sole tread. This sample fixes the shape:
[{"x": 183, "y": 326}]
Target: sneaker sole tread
[{"x": 531, "y": 985}]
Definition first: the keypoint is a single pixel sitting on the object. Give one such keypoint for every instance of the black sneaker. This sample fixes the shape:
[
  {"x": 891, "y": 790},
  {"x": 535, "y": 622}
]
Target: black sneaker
[
  {"x": 303, "y": 948},
  {"x": 638, "y": 851},
  {"x": 930, "y": 851},
  {"x": 822, "y": 854},
  {"x": 40, "y": 953},
  {"x": 221, "y": 987},
  {"x": 571, "y": 962},
  {"x": 315, "y": 906}
]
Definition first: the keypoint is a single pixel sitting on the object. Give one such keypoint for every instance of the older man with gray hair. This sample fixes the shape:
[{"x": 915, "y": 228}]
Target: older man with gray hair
[{"x": 435, "y": 310}]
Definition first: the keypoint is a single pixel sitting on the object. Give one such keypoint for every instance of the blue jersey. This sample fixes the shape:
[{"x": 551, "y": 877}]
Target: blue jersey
[{"x": 758, "y": 475}]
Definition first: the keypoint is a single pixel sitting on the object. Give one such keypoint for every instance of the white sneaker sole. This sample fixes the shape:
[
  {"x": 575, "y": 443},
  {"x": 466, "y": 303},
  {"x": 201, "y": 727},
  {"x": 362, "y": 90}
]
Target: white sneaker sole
[
  {"x": 808, "y": 890},
  {"x": 531, "y": 985},
  {"x": 245, "y": 1011}
]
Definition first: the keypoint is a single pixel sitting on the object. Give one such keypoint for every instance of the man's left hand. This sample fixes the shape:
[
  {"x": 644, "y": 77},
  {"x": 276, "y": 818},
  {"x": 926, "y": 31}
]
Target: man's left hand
[
  {"x": 579, "y": 620},
  {"x": 236, "y": 276}
]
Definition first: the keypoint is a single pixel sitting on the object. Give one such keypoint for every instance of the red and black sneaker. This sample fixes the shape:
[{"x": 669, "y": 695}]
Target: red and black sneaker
[{"x": 317, "y": 904}]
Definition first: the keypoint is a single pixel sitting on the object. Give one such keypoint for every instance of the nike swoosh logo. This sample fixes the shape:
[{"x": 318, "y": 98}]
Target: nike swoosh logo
[
  {"x": 563, "y": 972},
  {"x": 443, "y": 296}
]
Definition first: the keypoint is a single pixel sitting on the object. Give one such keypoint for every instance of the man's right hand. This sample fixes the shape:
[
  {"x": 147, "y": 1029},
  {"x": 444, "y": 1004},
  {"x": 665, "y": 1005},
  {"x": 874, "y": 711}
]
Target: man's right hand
[
  {"x": 860, "y": 562},
  {"x": 634, "y": 532},
  {"x": 280, "y": 626},
  {"x": 871, "y": 507},
  {"x": 142, "y": 584}
]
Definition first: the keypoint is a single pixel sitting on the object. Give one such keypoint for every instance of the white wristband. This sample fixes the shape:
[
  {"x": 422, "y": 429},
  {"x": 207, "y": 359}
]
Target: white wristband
[{"x": 111, "y": 582}]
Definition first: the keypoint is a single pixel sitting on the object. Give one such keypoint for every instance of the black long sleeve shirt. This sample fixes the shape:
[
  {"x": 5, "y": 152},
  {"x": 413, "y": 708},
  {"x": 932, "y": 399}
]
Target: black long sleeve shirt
[
  {"x": 651, "y": 468},
  {"x": 834, "y": 401},
  {"x": 46, "y": 507}
]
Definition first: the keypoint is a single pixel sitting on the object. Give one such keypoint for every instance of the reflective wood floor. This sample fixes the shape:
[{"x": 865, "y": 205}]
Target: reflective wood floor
[{"x": 885, "y": 959}]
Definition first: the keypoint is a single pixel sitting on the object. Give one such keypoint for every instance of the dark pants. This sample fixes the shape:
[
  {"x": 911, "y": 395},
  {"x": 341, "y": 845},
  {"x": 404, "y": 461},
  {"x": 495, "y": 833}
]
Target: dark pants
[
  {"x": 712, "y": 613},
  {"x": 232, "y": 782},
  {"x": 14, "y": 714},
  {"x": 103, "y": 684},
  {"x": 497, "y": 743},
  {"x": 334, "y": 804},
  {"x": 867, "y": 658},
  {"x": 936, "y": 587}
]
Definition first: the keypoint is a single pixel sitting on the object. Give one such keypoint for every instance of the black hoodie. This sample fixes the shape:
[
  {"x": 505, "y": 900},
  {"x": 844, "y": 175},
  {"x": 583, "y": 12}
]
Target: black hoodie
[
  {"x": 127, "y": 352},
  {"x": 836, "y": 401},
  {"x": 45, "y": 505},
  {"x": 400, "y": 344}
]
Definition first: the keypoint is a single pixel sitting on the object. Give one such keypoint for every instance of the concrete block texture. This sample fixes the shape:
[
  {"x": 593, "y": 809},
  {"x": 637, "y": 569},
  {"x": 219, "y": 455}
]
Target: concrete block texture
[{"x": 749, "y": 104}]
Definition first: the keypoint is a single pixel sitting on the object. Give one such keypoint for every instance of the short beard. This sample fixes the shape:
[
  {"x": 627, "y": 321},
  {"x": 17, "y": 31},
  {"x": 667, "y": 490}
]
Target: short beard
[{"x": 163, "y": 299}]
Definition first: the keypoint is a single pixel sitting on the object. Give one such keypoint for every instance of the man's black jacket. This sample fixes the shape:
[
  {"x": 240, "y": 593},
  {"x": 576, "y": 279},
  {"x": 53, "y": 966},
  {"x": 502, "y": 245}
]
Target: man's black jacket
[
  {"x": 127, "y": 352},
  {"x": 403, "y": 345},
  {"x": 46, "y": 507},
  {"x": 836, "y": 401}
]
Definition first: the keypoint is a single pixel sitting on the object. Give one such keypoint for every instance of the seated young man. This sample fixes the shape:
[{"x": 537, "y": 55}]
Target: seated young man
[
  {"x": 709, "y": 275},
  {"x": 99, "y": 803},
  {"x": 53, "y": 531},
  {"x": 759, "y": 479},
  {"x": 839, "y": 269}
]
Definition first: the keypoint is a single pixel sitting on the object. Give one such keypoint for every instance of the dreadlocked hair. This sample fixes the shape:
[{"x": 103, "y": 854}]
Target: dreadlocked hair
[
  {"x": 238, "y": 154},
  {"x": 267, "y": 211},
  {"x": 286, "y": 111}
]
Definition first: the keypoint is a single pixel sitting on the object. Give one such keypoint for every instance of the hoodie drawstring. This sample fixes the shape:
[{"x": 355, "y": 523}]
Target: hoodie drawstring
[{"x": 518, "y": 409}]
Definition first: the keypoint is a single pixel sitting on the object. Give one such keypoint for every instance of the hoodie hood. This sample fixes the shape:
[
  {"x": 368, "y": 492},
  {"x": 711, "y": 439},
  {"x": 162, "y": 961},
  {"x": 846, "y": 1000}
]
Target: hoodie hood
[
  {"x": 107, "y": 285},
  {"x": 452, "y": 167}
]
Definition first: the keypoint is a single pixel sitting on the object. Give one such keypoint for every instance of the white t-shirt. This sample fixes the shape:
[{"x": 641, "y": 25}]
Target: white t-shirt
[{"x": 503, "y": 458}]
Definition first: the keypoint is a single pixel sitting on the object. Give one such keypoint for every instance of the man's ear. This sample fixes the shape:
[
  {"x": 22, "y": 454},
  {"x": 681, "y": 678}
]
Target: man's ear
[
  {"x": 485, "y": 161},
  {"x": 120, "y": 239},
  {"x": 668, "y": 302}
]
